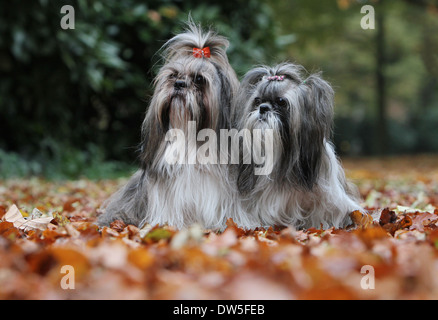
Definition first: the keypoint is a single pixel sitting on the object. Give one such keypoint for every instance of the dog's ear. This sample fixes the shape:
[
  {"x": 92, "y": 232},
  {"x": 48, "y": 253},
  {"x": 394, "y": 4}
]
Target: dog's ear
[
  {"x": 254, "y": 76},
  {"x": 316, "y": 127},
  {"x": 152, "y": 133},
  {"x": 227, "y": 92},
  {"x": 320, "y": 99}
]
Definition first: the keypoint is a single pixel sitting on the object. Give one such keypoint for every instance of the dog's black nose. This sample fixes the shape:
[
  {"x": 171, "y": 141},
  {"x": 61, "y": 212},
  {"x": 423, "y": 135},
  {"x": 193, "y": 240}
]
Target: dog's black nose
[
  {"x": 263, "y": 108},
  {"x": 179, "y": 84}
]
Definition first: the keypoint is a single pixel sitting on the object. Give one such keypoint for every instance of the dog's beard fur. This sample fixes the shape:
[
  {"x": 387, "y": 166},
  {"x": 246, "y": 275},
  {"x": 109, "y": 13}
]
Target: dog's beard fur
[
  {"x": 307, "y": 186},
  {"x": 186, "y": 89},
  {"x": 204, "y": 98},
  {"x": 196, "y": 99}
]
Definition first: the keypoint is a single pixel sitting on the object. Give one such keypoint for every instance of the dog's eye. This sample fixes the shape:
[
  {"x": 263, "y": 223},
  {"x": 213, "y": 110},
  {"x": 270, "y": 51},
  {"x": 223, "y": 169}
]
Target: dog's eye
[
  {"x": 199, "y": 80},
  {"x": 281, "y": 102},
  {"x": 257, "y": 101}
]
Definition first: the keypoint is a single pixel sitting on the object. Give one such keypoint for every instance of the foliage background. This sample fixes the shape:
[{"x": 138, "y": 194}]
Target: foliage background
[{"x": 72, "y": 101}]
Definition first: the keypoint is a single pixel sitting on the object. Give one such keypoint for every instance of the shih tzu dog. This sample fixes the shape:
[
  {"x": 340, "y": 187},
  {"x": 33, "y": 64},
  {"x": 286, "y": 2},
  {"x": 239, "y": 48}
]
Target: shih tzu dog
[
  {"x": 305, "y": 185},
  {"x": 194, "y": 90}
]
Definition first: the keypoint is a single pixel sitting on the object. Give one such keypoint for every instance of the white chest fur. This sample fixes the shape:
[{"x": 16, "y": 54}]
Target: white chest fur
[{"x": 191, "y": 194}]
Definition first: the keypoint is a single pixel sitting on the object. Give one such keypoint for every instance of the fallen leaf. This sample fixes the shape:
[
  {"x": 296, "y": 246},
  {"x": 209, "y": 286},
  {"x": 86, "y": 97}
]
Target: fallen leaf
[
  {"x": 118, "y": 225},
  {"x": 141, "y": 258},
  {"x": 158, "y": 234},
  {"x": 362, "y": 220},
  {"x": 9, "y": 231},
  {"x": 387, "y": 216},
  {"x": 399, "y": 241},
  {"x": 14, "y": 215}
]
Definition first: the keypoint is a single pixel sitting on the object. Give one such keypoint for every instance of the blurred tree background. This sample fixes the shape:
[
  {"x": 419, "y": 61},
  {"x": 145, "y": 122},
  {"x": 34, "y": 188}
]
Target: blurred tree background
[{"x": 72, "y": 101}]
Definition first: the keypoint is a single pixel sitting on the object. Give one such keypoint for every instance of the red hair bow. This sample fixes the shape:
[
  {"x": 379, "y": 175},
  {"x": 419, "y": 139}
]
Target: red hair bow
[{"x": 200, "y": 53}]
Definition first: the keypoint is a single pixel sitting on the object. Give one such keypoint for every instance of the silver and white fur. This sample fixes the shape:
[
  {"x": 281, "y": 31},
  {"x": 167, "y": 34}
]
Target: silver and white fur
[
  {"x": 307, "y": 186},
  {"x": 187, "y": 88}
]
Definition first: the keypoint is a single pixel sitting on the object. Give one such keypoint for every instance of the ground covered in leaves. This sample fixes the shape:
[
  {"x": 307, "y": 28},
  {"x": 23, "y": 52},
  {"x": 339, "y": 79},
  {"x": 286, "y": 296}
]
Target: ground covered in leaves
[{"x": 391, "y": 253}]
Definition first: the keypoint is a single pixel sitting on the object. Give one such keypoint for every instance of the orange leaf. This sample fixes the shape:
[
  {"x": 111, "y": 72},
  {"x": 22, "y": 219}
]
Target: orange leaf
[
  {"x": 140, "y": 257},
  {"x": 369, "y": 235},
  {"x": 8, "y": 231},
  {"x": 360, "y": 219},
  {"x": 405, "y": 222}
]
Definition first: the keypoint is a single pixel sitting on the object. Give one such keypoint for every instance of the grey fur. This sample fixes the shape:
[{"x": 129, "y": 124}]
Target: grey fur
[
  {"x": 307, "y": 187},
  {"x": 159, "y": 193}
]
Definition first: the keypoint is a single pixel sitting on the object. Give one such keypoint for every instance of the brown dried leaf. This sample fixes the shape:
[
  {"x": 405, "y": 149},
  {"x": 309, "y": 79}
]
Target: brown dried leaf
[
  {"x": 118, "y": 225},
  {"x": 387, "y": 216},
  {"x": 362, "y": 220},
  {"x": 369, "y": 235},
  {"x": 8, "y": 231}
]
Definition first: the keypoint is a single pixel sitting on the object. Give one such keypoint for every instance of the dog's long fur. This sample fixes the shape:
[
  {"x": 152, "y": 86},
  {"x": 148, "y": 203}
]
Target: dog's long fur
[
  {"x": 187, "y": 88},
  {"x": 307, "y": 187}
]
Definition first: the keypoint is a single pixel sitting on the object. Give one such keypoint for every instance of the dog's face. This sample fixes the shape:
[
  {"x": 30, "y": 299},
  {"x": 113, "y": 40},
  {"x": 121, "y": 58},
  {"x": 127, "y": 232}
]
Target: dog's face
[
  {"x": 300, "y": 113},
  {"x": 271, "y": 106},
  {"x": 196, "y": 83},
  {"x": 191, "y": 90}
]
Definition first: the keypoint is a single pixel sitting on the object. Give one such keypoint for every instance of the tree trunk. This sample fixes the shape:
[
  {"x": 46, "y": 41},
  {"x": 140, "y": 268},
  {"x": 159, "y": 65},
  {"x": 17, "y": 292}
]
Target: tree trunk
[{"x": 382, "y": 132}]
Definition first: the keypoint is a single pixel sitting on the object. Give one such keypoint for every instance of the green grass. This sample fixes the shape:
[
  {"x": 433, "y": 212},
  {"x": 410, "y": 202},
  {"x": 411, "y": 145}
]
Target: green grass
[{"x": 65, "y": 163}]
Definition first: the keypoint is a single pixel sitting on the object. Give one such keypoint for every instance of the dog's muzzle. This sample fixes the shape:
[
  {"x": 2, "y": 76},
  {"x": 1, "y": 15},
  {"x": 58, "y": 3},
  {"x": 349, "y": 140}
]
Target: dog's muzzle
[
  {"x": 179, "y": 84},
  {"x": 264, "y": 108}
]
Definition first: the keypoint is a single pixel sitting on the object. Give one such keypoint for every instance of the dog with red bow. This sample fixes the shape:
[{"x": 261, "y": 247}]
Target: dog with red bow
[
  {"x": 194, "y": 90},
  {"x": 306, "y": 186}
]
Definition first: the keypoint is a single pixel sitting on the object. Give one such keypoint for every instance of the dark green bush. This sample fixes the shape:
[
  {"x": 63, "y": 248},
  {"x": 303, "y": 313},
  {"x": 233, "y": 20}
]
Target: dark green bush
[{"x": 69, "y": 96}]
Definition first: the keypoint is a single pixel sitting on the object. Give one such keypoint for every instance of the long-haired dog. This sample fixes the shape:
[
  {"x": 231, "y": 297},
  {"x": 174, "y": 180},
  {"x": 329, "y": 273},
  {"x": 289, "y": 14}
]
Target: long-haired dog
[
  {"x": 194, "y": 90},
  {"x": 306, "y": 186}
]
